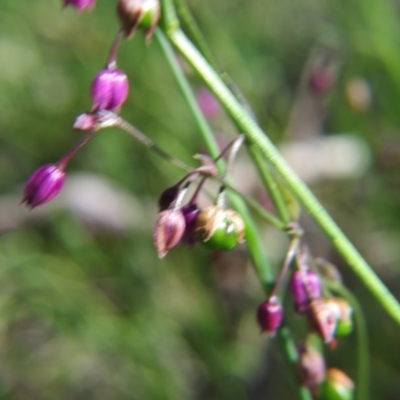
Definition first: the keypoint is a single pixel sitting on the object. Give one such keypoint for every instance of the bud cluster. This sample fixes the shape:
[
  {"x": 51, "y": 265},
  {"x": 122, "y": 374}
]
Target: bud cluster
[{"x": 217, "y": 227}]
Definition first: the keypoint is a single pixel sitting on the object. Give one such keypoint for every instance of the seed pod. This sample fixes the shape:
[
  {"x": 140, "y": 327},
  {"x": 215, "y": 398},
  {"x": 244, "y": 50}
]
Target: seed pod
[
  {"x": 135, "y": 14},
  {"x": 343, "y": 314},
  {"x": 337, "y": 386},
  {"x": 109, "y": 90},
  {"x": 220, "y": 229},
  {"x": 269, "y": 315},
  {"x": 305, "y": 286},
  {"x": 168, "y": 231},
  {"x": 43, "y": 185}
]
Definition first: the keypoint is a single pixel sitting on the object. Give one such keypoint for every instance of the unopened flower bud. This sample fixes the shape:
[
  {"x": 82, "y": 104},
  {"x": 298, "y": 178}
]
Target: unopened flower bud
[
  {"x": 80, "y": 5},
  {"x": 269, "y": 315},
  {"x": 109, "y": 90},
  {"x": 305, "y": 286},
  {"x": 322, "y": 80},
  {"x": 190, "y": 212},
  {"x": 337, "y": 386},
  {"x": 343, "y": 314},
  {"x": 323, "y": 319},
  {"x": 311, "y": 366},
  {"x": 135, "y": 14},
  {"x": 168, "y": 231},
  {"x": 220, "y": 229},
  {"x": 43, "y": 185}
]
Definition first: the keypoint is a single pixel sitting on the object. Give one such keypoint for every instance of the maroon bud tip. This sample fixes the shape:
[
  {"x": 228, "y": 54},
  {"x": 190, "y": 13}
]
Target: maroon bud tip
[
  {"x": 269, "y": 315},
  {"x": 322, "y": 80},
  {"x": 168, "y": 231},
  {"x": 109, "y": 90},
  {"x": 168, "y": 196},
  {"x": 305, "y": 285},
  {"x": 80, "y": 5},
  {"x": 43, "y": 185},
  {"x": 190, "y": 212}
]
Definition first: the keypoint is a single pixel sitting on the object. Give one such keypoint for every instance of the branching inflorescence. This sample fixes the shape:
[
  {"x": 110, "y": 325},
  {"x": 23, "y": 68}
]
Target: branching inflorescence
[{"x": 314, "y": 283}]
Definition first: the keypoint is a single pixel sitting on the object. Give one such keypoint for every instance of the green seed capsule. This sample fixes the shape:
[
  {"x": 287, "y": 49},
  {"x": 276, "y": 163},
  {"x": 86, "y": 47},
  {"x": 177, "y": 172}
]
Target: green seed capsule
[{"x": 337, "y": 386}]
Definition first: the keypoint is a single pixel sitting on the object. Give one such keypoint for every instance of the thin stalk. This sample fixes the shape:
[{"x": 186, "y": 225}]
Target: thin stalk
[
  {"x": 270, "y": 184},
  {"x": 254, "y": 243},
  {"x": 256, "y": 136},
  {"x": 291, "y": 353},
  {"x": 362, "y": 383}
]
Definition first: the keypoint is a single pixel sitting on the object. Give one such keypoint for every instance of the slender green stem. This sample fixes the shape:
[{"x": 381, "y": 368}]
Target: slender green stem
[
  {"x": 256, "y": 136},
  {"x": 256, "y": 248},
  {"x": 362, "y": 384},
  {"x": 270, "y": 183},
  {"x": 291, "y": 353},
  {"x": 190, "y": 25}
]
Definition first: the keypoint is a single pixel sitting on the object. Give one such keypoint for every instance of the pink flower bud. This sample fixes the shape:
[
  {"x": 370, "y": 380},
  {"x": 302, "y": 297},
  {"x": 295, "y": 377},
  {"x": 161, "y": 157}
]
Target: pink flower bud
[
  {"x": 43, "y": 185},
  {"x": 207, "y": 103},
  {"x": 85, "y": 122},
  {"x": 80, "y": 5},
  {"x": 168, "y": 231},
  {"x": 110, "y": 89},
  {"x": 269, "y": 315},
  {"x": 305, "y": 286},
  {"x": 322, "y": 319},
  {"x": 311, "y": 366}
]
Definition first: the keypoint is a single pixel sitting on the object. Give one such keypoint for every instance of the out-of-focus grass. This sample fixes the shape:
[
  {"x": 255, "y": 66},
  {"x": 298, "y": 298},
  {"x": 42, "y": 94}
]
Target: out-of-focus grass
[{"x": 87, "y": 311}]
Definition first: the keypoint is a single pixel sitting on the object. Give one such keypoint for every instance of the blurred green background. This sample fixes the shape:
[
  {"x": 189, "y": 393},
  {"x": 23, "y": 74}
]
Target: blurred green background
[{"x": 87, "y": 311}]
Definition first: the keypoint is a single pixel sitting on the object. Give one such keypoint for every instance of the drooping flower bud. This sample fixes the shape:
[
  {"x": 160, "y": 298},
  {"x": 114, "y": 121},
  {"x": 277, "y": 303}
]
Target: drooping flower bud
[
  {"x": 305, "y": 286},
  {"x": 135, "y": 14},
  {"x": 80, "y": 5},
  {"x": 337, "y": 386},
  {"x": 43, "y": 185},
  {"x": 343, "y": 314},
  {"x": 311, "y": 366},
  {"x": 190, "y": 212},
  {"x": 323, "y": 319},
  {"x": 109, "y": 89},
  {"x": 269, "y": 315},
  {"x": 220, "y": 229},
  {"x": 168, "y": 231}
]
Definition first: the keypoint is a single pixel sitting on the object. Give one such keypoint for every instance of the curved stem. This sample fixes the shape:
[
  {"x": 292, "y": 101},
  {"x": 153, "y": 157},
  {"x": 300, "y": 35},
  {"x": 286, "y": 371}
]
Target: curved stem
[
  {"x": 256, "y": 248},
  {"x": 256, "y": 136},
  {"x": 362, "y": 386}
]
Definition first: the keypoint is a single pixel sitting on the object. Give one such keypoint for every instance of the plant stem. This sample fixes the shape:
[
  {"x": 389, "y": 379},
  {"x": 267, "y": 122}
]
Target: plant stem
[
  {"x": 362, "y": 384},
  {"x": 256, "y": 136},
  {"x": 254, "y": 243},
  {"x": 292, "y": 355}
]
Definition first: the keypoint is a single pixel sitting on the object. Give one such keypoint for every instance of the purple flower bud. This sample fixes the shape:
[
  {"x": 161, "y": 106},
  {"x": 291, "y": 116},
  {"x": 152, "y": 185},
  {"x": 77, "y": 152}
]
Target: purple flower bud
[
  {"x": 110, "y": 89},
  {"x": 269, "y": 315},
  {"x": 305, "y": 286},
  {"x": 207, "y": 103},
  {"x": 167, "y": 197},
  {"x": 190, "y": 212},
  {"x": 80, "y": 5},
  {"x": 168, "y": 231},
  {"x": 43, "y": 185}
]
